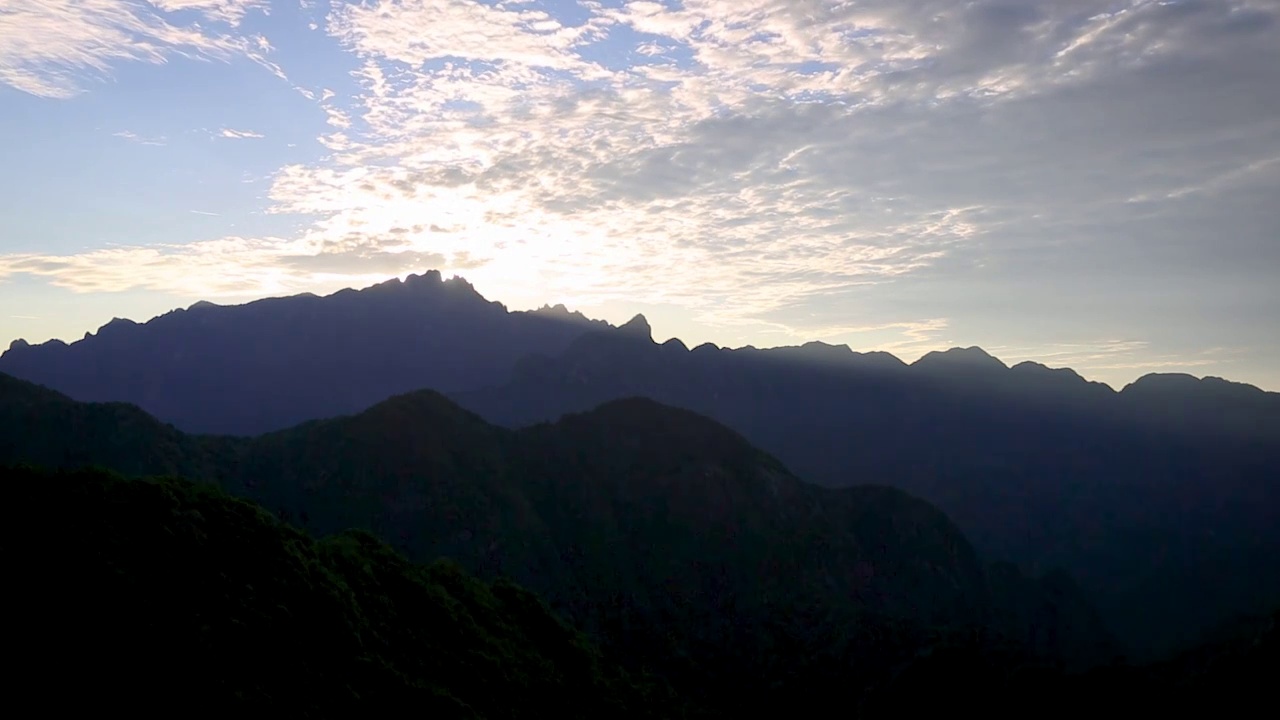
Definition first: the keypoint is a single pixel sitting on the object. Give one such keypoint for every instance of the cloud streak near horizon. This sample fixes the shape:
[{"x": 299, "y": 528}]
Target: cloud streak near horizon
[{"x": 772, "y": 168}]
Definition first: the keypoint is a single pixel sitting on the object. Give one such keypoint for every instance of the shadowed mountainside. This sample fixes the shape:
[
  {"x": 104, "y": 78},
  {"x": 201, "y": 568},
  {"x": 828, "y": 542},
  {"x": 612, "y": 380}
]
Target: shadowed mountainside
[
  {"x": 156, "y": 594},
  {"x": 1169, "y": 487},
  {"x": 273, "y": 363},
  {"x": 666, "y": 536},
  {"x": 218, "y": 602}
]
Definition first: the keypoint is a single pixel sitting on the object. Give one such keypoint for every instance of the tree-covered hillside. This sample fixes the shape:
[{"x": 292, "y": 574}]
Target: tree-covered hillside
[
  {"x": 167, "y": 596},
  {"x": 680, "y": 550},
  {"x": 677, "y": 545},
  {"x": 162, "y": 596}
]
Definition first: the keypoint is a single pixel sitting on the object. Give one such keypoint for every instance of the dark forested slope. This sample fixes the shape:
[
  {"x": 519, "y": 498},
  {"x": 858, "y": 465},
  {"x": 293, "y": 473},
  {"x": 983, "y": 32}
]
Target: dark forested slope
[
  {"x": 668, "y": 537},
  {"x": 164, "y": 596},
  {"x": 155, "y": 595}
]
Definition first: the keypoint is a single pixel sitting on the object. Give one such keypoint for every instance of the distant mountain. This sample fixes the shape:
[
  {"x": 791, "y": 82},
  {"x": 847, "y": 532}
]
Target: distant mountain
[
  {"x": 270, "y": 364},
  {"x": 1168, "y": 487},
  {"x": 672, "y": 541}
]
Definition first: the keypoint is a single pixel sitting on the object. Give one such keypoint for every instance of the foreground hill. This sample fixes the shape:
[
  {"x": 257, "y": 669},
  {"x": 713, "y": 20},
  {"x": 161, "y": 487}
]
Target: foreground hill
[
  {"x": 159, "y": 594},
  {"x": 669, "y": 538},
  {"x": 1166, "y": 489},
  {"x": 270, "y": 364},
  {"x": 151, "y": 594}
]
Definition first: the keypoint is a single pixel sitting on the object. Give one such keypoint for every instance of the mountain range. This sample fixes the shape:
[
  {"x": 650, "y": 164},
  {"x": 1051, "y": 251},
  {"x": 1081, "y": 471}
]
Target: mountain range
[
  {"x": 663, "y": 534},
  {"x": 253, "y": 368},
  {"x": 1165, "y": 490},
  {"x": 706, "y": 580}
]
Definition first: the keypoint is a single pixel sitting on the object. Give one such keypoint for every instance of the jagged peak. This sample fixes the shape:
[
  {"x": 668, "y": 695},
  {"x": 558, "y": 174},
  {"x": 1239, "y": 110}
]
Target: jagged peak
[
  {"x": 426, "y": 282},
  {"x": 638, "y": 326},
  {"x": 117, "y": 323},
  {"x": 19, "y": 344},
  {"x": 676, "y": 344},
  {"x": 457, "y": 281},
  {"x": 429, "y": 278},
  {"x": 389, "y": 284}
]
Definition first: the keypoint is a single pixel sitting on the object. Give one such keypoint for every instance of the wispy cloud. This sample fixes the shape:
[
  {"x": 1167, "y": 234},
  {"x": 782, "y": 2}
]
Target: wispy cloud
[
  {"x": 53, "y": 48},
  {"x": 204, "y": 212},
  {"x": 1116, "y": 361},
  {"x": 227, "y": 11},
  {"x": 237, "y": 134},
  {"x": 134, "y": 137},
  {"x": 228, "y": 267},
  {"x": 232, "y": 267}
]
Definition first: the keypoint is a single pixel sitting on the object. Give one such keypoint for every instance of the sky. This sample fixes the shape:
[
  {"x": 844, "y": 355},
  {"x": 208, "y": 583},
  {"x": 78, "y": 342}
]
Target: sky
[{"x": 1085, "y": 183}]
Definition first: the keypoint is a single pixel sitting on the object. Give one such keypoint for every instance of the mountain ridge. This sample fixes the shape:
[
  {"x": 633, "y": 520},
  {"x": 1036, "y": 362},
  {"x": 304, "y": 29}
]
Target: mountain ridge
[
  {"x": 1038, "y": 466},
  {"x": 631, "y": 518},
  {"x": 637, "y": 326},
  {"x": 224, "y": 369}
]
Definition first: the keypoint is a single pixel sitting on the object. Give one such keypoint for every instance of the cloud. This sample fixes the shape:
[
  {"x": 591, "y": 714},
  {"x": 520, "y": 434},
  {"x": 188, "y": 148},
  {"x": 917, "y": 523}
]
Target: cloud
[
  {"x": 776, "y": 151},
  {"x": 227, "y": 268},
  {"x": 52, "y": 48},
  {"x": 915, "y": 337},
  {"x": 381, "y": 263},
  {"x": 134, "y": 137},
  {"x": 237, "y": 134},
  {"x": 1114, "y": 361},
  {"x": 227, "y": 11},
  {"x": 753, "y": 160},
  {"x": 415, "y": 31}
]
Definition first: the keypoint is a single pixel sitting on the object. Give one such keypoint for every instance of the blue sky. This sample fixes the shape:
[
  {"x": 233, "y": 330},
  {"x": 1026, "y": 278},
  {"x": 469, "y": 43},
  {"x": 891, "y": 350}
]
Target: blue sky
[{"x": 1089, "y": 183}]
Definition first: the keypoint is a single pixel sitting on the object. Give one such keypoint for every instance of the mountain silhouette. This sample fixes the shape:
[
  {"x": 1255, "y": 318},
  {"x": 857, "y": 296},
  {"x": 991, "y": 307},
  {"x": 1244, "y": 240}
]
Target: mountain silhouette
[
  {"x": 677, "y": 545},
  {"x": 1170, "y": 486},
  {"x": 273, "y": 363},
  {"x": 1164, "y": 488}
]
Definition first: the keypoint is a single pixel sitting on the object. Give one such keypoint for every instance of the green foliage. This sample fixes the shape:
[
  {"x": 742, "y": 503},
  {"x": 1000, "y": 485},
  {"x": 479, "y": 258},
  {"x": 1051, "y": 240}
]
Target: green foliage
[{"x": 162, "y": 595}]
